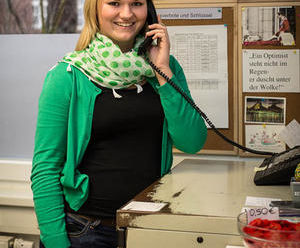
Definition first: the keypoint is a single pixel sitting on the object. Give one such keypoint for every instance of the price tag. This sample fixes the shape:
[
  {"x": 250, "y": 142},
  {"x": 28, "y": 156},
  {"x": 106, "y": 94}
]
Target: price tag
[{"x": 270, "y": 213}]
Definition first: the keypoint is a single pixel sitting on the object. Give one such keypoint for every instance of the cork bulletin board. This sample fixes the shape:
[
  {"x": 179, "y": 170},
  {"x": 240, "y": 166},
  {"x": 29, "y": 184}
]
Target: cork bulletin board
[
  {"x": 215, "y": 144},
  {"x": 265, "y": 91}
]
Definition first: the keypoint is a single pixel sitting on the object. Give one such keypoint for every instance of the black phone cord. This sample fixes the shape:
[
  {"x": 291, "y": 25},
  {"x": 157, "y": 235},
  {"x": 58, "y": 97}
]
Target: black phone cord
[{"x": 190, "y": 101}]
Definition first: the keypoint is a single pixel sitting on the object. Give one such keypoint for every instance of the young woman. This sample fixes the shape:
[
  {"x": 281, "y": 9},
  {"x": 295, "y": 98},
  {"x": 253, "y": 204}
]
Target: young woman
[{"x": 106, "y": 125}]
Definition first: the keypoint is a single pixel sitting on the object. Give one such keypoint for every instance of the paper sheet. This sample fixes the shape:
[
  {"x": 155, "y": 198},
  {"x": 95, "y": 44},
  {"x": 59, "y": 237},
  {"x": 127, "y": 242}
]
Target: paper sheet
[
  {"x": 264, "y": 138},
  {"x": 271, "y": 70},
  {"x": 144, "y": 206},
  {"x": 259, "y": 201},
  {"x": 270, "y": 213},
  {"x": 291, "y": 134},
  {"x": 202, "y": 52}
]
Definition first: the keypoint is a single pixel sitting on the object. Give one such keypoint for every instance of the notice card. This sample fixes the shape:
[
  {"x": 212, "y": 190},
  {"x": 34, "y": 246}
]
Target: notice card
[
  {"x": 271, "y": 70},
  {"x": 291, "y": 134},
  {"x": 144, "y": 206},
  {"x": 259, "y": 201},
  {"x": 269, "y": 213}
]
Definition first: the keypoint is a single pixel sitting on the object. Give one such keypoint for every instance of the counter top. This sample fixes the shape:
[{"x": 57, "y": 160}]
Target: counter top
[{"x": 201, "y": 195}]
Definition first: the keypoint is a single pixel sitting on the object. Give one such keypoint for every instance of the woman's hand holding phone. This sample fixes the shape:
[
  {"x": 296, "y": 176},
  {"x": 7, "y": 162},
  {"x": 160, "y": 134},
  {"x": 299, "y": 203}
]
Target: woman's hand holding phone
[{"x": 160, "y": 54}]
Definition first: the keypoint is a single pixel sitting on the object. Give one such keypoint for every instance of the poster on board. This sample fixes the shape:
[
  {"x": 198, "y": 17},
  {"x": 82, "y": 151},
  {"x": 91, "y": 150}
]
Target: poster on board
[
  {"x": 275, "y": 26},
  {"x": 202, "y": 52},
  {"x": 271, "y": 70},
  {"x": 264, "y": 138}
]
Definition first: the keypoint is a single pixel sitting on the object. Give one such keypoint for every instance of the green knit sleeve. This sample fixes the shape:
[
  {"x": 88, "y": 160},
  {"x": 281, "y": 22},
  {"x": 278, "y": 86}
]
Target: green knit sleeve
[
  {"x": 185, "y": 126},
  {"x": 49, "y": 157}
]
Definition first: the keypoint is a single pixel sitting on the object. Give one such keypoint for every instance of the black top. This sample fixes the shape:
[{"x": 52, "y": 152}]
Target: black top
[{"x": 124, "y": 153}]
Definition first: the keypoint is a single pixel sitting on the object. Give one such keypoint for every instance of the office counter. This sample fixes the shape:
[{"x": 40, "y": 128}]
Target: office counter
[{"x": 204, "y": 198}]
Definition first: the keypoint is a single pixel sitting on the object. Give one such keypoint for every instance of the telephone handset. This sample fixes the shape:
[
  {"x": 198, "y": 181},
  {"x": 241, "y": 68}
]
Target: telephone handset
[{"x": 151, "y": 18}]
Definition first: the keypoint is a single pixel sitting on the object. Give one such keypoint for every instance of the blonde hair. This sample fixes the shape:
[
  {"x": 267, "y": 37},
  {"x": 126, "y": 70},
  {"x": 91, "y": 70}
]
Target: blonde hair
[{"x": 91, "y": 25}]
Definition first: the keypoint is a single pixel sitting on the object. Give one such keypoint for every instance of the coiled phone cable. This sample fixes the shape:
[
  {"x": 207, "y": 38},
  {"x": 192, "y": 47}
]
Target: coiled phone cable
[{"x": 190, "y": 101}]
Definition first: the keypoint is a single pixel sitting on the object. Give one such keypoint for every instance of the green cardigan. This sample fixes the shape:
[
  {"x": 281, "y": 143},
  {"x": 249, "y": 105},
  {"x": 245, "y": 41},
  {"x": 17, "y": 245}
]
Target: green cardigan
[{"x": 63, "y": 132}]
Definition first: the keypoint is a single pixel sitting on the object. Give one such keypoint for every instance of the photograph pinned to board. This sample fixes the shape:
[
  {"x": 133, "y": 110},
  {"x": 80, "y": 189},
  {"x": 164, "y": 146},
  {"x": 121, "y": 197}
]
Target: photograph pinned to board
[
  {"x": 264, "y": 138},
  {"x": 265, "y": 110},
  {"x": 275, "y": 26}
]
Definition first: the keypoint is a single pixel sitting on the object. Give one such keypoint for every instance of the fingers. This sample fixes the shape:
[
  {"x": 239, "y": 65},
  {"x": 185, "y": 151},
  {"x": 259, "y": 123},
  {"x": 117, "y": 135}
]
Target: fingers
[
  {"x": 154, "y": 32},
  {"x": 157, "y": 30},
  {"x": 159, "y": 19},
  {"x": 159, "y": 36},
  {"x": 158, "y": 25}
]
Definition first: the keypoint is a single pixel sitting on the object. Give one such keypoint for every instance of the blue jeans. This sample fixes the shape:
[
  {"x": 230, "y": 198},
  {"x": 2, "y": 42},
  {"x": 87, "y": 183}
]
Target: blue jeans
[{"x": 89, "y": 234}]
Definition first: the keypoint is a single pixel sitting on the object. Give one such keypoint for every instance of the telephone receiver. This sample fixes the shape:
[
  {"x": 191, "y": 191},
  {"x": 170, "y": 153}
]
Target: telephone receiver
[{"x": 151, "y": 18}]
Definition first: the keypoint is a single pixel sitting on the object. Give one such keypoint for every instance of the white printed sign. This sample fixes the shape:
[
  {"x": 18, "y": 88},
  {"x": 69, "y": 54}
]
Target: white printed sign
[
  {"x": 190, "y": 13},
  {"x": 271, "y": 70}
]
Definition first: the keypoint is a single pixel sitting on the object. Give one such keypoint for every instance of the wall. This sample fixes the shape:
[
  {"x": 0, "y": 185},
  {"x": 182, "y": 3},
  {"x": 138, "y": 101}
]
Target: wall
[{"x": 25, "y": 60}]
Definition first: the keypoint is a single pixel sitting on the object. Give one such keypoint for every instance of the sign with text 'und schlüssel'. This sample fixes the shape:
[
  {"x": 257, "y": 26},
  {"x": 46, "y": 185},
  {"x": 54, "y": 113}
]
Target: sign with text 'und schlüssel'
[{"x": 271, "y": 70}]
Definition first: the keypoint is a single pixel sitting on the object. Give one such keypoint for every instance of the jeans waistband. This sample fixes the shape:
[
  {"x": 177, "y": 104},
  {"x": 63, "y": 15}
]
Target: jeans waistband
[{"x": 83, "y": 219}]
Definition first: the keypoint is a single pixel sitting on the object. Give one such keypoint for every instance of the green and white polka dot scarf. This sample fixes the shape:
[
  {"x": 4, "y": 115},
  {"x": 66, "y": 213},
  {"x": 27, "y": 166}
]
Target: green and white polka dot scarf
[{"x": 104, "y": 63}]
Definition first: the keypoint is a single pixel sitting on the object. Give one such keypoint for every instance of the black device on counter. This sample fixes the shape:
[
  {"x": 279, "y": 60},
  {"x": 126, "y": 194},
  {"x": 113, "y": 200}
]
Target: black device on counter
[
  {"x": 279, "y": 168},
  {"x": 276, "y": 173}
]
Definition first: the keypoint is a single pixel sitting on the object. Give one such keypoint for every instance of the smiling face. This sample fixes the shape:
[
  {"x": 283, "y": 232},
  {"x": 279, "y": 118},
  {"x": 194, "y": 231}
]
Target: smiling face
[{"x": 122, "y": 20}]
